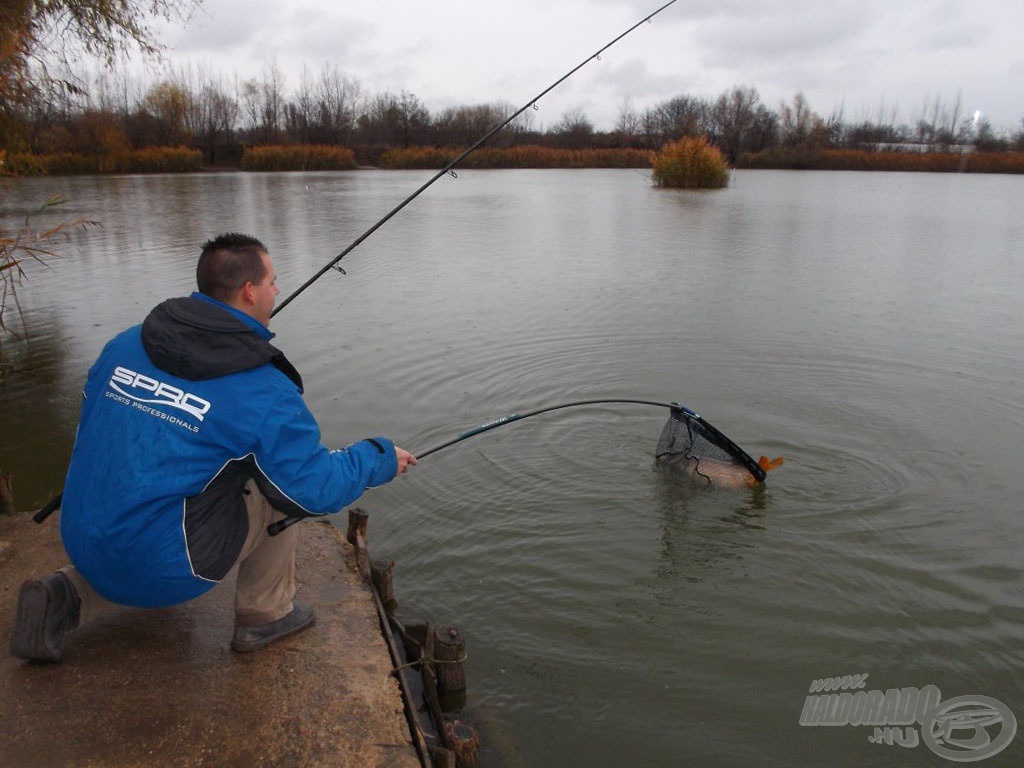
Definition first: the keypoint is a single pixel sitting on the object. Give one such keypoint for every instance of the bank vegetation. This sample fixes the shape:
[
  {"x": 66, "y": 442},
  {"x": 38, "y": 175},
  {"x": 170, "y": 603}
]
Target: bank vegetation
[{"x": 194, "y": 118}]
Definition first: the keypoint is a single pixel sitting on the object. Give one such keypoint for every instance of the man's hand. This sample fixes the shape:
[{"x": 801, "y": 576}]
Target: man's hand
[{"x": 405, "y": 460}]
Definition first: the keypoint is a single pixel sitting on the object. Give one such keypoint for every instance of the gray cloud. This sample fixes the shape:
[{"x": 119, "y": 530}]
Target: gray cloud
[{"x": 857, "y": 53}]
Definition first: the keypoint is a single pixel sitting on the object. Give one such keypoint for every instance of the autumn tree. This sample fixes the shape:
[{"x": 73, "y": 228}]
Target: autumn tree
[
  {"x": 734, "y": 115},
  {"x": 395, "y": 120},
  {"x": 39, "y": 41},
  {"x": 678, "y": 117},
  {"x": 211, "y": 111},
  {"x": 300, "y": 112},
  {"x": 338, "y": 101},
  {"x": 263, "y": 103},
  {"x": 462, "y": 126},
  {"x": 573, "y": 129},
  {"x": 798, "y": 123},
  {"x": 627, "y": 123},
  {"x": 168, "y": 103}
]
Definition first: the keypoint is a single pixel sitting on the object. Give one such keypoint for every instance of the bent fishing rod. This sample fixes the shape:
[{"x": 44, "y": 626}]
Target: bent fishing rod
[
  {"x": 54, "y": 503},
  {"x": 448, "y": 169},
  {"x": 275, "y": 528}
]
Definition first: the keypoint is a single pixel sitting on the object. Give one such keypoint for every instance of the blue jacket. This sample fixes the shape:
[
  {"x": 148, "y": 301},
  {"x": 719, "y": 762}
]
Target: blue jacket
[{"x": 178, "y": 414}]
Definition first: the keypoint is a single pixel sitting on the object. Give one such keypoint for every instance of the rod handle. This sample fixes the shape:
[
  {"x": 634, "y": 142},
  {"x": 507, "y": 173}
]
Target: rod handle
[
  {"x": 281, "y": 525},
  {"x": 51, "y": 506}
]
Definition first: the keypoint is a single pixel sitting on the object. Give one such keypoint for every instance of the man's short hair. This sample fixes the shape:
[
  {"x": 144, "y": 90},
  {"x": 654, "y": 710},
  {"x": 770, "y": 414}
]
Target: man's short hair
[{"x": 228, "y": 262}]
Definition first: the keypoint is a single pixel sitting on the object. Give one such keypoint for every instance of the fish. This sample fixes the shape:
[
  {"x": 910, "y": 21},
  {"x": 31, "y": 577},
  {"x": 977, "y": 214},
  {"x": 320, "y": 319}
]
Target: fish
[{"x": 715, "y": 473}]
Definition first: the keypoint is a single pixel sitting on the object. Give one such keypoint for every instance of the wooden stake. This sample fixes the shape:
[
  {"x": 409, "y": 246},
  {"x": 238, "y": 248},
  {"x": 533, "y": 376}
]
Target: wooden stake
[
  {"x": 465, "y": 744},
  {"x": 7, "y": 493},
  {"x": 442, "y": 758},
  {"x": 357, "y": 521},
  {"x": 450, "y": 653},
  {"x": 429, "y": 672},
  {"x": 382, "y": 572}
]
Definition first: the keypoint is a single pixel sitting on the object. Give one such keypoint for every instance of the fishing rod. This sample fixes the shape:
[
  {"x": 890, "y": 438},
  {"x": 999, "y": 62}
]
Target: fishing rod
[
  {"x": 275, "y": 528},
  {"x": 55, "y": 502},
  {"x": 333, "y": 264},
  {"x": 520, "y": 416}
]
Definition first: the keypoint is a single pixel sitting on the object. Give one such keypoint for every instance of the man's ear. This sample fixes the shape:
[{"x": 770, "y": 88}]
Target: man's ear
[{"x": 248, "y": 293}]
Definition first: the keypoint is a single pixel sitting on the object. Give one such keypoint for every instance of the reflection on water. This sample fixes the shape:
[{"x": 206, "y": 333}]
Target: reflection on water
[
  {"x": 713, "y": 535},
  {"x": 40, "y": 414},
  {"x": 868, "y": 327}
]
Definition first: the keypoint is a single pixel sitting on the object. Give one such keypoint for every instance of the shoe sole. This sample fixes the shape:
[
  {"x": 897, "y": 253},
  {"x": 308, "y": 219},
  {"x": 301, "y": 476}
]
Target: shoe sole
[
  {"x": 28, "y": 638},
  {"x": 246, "y": 646}
]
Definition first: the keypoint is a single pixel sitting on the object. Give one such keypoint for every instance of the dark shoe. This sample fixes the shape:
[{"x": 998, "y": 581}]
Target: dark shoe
[
  {"x": 47, "y": 609},
  {"x": 254, "y": 638}
]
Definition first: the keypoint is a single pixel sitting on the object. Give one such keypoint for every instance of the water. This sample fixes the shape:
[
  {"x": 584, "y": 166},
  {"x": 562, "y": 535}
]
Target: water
[{"x": 868, "y": 327}]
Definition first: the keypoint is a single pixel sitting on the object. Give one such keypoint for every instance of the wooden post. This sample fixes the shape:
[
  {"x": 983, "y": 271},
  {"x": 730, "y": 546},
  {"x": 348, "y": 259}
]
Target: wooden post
[
  {"x": 442, "y": 758},
  {"x": 415, "y": 634},
  {"x": 7, "y": 493},
  {"x": 357, "y": 520},
  {"x": 382, "y": 571},
  {"x": 450, "y": 655},
  {"x": 465, "y": 744}
]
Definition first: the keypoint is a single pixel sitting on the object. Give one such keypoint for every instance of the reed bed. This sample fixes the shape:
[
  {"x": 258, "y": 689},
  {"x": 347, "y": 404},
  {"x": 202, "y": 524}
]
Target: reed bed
[
  {"x": 298, "y": 157},
  {"x": 528, "y": 156},
  {"x": 865, "y": 160},
  {"x": 151, "y": 160}
]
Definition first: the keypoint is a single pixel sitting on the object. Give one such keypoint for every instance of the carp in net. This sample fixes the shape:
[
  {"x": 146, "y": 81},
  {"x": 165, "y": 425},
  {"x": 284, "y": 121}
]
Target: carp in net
[{"x": 691, "y": 447}]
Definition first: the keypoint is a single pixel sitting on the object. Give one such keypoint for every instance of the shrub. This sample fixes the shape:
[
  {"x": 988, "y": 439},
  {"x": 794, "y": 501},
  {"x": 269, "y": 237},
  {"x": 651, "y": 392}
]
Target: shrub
[{"x": 691, "y": 163}]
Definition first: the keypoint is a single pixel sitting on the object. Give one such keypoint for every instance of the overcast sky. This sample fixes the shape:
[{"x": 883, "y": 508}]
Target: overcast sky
[{"x": 866, "y": 57}]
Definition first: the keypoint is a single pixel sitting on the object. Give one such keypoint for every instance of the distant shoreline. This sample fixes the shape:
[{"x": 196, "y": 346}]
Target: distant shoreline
[{"x": 315, "y": 158}]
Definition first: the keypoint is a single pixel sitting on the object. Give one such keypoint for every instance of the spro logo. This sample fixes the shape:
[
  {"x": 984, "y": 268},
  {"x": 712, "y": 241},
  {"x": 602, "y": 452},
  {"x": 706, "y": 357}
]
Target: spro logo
[{"x": 144, "y": 389}]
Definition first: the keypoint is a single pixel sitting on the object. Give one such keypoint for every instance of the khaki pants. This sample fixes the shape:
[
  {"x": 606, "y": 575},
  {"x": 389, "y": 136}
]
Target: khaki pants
[{"x": 266, "y": 570}]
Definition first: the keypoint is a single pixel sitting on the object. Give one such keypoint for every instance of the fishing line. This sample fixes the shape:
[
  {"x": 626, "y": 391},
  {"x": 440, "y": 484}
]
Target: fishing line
[
  {"x": 54, "y": 503},
  {"x": 532, "y": 103}
]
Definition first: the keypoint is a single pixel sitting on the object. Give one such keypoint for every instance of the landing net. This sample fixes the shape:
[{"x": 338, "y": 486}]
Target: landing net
[{"x": 692, "y": 446}]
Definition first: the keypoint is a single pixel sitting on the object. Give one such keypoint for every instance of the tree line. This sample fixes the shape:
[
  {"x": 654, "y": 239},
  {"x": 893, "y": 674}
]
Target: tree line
[
  {"x": 197, "y": 108},
  {"x": 47, "y": 105}
]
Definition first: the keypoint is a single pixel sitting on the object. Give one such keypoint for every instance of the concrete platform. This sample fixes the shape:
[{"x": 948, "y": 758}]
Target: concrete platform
[{"x": 162, "y": 688}]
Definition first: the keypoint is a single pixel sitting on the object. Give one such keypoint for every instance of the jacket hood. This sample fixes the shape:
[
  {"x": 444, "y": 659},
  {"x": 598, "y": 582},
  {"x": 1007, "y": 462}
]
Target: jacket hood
[{"x": 198, "y": 340}]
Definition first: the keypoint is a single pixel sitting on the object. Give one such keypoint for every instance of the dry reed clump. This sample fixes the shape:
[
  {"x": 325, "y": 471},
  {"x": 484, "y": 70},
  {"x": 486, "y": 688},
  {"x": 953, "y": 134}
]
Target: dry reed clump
[
  {"x": 17, "y": 248},
  {"x": 690, "y": 163},
  {"x": 298, "y": 157}
]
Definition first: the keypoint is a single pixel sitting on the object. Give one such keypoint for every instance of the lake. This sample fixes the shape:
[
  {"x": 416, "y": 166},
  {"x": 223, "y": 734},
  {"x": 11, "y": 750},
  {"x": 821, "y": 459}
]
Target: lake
[{"x": 867, "y": 327}]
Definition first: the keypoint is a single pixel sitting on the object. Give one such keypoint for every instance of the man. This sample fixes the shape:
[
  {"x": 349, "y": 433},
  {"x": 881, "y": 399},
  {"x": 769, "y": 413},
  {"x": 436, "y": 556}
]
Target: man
[{"x": 193, "y": 438}]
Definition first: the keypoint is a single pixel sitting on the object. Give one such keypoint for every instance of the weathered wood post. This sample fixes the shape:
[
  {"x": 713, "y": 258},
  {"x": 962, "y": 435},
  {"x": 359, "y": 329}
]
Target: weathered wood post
[
  {"x": 7, "y": 493},
  {"x": 465, "y": 744},
  {"x": 450, "y": 656},
  {"x": 442, "y": 758},
  {"x": 382, "y": 573},
  {"x": 357, "y": 521}
]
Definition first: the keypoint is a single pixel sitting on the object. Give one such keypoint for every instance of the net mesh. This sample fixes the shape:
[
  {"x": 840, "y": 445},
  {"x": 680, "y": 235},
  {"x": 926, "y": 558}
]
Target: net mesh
[{"x": 692, "y": 446}]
